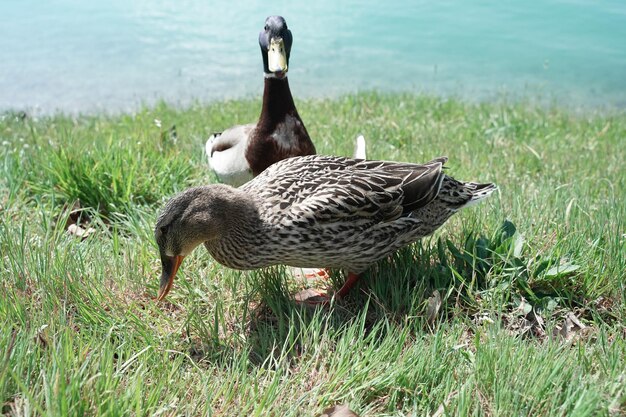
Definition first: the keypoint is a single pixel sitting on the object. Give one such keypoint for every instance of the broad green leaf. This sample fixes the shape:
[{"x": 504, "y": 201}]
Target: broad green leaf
[
  {"x": 518, "y": 245},
  {"x": 508, "y": 229},
  {"x": 561, "y": 270}
]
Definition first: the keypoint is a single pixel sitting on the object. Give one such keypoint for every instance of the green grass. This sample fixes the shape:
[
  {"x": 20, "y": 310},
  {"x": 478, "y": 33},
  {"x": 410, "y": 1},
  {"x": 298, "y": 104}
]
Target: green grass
[{"x": 81, "y": 335}]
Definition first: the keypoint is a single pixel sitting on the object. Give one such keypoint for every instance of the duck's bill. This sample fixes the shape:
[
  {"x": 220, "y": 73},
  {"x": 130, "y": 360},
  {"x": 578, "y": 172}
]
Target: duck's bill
[
  {"x": 170, "y": 266},
  {"x": 277, "y": 57}
]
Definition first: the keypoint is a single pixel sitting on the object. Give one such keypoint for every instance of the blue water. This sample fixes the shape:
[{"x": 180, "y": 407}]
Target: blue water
[{"x": 114, "y": 55}]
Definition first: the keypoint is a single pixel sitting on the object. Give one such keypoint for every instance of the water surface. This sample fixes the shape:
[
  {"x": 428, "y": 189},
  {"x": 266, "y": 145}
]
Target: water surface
[{"x": 85, "y": 56}]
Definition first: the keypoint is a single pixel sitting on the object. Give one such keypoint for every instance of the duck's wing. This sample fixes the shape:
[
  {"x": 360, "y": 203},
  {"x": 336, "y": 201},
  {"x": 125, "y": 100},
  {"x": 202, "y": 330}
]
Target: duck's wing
[
  {"x": 226, "y": 154},
  {"x": 229, "y": 138},
  {"x": 327, "y": 189}
]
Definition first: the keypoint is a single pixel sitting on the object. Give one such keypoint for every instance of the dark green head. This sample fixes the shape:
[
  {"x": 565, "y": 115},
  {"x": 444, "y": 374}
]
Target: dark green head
[{"x": 275, "y": 41}]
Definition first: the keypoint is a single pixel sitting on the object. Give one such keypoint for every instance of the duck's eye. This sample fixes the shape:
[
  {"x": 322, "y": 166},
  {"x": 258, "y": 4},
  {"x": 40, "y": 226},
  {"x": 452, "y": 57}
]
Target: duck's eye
[
  {"x": 161, "y": 231},
  {"x": 267, "y": 28}
]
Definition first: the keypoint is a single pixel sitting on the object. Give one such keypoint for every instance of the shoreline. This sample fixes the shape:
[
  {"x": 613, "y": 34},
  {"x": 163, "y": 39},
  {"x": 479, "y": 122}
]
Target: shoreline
[{"x": 546, "y": 102}]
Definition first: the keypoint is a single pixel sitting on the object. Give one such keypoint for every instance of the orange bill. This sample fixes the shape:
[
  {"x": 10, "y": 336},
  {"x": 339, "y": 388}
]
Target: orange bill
[{"x": 170, "y": 266}]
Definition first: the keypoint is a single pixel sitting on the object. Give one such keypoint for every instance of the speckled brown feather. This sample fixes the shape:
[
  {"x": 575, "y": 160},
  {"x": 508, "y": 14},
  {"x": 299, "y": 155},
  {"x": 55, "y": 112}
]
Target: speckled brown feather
[{"x": 316, "y": 211}]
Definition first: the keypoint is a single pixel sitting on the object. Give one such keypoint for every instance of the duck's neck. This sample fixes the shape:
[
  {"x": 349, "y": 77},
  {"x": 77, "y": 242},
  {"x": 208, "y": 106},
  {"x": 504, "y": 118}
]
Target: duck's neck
[
  {"x": 277, "y": 104},
  {"x": 241, "y": 230},
  {"x": 280, "y": 133}
]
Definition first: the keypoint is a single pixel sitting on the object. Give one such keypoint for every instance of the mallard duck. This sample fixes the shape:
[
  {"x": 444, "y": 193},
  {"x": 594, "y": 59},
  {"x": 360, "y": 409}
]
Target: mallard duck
[
  {"x": 312, "y": 211},
  {"x": 240, "y": 153}
]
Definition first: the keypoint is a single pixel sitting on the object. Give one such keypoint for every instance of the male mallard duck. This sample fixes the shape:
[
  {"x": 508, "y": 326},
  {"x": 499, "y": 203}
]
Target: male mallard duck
[
  {"x": 312, "y": 211},
  {"x": 242, "y": 152}
]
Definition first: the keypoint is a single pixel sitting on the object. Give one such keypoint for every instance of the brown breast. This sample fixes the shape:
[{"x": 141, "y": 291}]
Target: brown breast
[{"x": 280, "y": 133}]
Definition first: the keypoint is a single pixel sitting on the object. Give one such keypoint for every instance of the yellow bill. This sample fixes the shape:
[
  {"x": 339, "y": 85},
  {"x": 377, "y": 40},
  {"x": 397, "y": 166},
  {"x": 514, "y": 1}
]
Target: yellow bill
[{"x": 276, "y": 56}]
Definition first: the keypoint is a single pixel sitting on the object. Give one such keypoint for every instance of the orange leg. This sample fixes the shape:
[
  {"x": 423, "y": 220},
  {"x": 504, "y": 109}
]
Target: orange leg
[
  {"x": 347, "y": 286},
  {"x": 312, "y": 297}
]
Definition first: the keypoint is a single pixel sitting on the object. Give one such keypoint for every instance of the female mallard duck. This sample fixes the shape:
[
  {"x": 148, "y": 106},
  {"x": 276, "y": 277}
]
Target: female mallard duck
[
  {"x": 242, "y": 152},
  {"x": 312, "y": 211}
]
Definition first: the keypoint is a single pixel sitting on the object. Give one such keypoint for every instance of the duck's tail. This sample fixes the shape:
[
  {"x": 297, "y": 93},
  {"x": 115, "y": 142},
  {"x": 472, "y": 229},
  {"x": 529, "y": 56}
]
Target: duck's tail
[
  {"x": 457, "y": 194},
  {"x": 479, "y": 192}
]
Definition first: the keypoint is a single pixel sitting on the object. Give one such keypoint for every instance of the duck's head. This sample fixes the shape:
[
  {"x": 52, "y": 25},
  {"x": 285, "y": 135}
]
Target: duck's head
[
  {"x": 187, "y": 220},
  {"x": 275, "y": 41}
]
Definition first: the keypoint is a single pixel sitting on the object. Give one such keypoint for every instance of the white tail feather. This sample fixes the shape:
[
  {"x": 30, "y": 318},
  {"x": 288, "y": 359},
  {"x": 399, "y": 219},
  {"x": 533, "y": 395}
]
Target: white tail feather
[{"x": 359, "y": 148}]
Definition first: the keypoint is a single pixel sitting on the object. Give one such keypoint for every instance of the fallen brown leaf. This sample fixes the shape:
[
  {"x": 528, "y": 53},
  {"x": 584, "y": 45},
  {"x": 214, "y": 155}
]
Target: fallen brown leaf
[
  {"x": 442, "y": 407},
  {"x": 434, "y": 304},
  {"x": 79, "y": 232},
  {"x": 570, "y": 328},
  {"x": 310, "y": 295},
  {"x": 41, "y": 336},
  {"x": 340, "y": 410}
]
